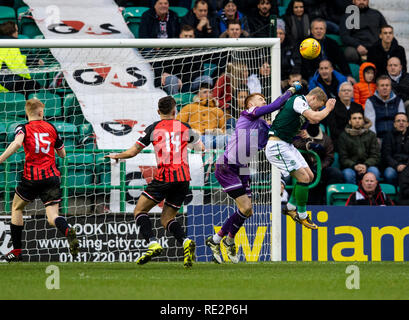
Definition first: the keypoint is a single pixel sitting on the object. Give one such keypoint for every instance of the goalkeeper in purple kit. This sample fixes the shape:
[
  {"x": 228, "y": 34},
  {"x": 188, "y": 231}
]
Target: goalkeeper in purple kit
[{"x": 232, "y": 168}]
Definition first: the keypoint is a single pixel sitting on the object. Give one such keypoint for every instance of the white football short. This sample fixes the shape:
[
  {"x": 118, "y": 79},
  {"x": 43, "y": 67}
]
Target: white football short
[{"x": 284, "y": 156}]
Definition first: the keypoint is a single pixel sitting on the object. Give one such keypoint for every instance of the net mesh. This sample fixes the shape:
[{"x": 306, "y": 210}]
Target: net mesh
[{"x": 96, "y": 99}]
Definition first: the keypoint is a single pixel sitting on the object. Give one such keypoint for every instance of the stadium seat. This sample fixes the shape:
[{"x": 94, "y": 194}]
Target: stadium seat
[
  {"x": 7, "y": 14},
  {"x": 3, "y": 134},
  {"x": 355, "y": 71},
  {"x": 337, "y": 194},
  {"x": 86, "y": 137},
  {"x": 72, "y": 110},
  {"x": 180, "y": 11},
  {"x": 16, "y": 162},
  {"x": 52, "y": 102},
  {"x": 80, "y": 170},
  {"x": 26, "y": 24},
  {"x": 335, "y": 37},
  {"x": 133, "y": 16},
  {"x": 209, "y": 68},
  {"x": 390, "y": 190},
  {"x": 68, "y": 133},
  {"x": 102, "y": 169},
  {"x": 335, "y": 164},
  {"x": 10, "y": 127},
  {"x": 183, "y": 99},
  {"x": 12, "y": 104}
]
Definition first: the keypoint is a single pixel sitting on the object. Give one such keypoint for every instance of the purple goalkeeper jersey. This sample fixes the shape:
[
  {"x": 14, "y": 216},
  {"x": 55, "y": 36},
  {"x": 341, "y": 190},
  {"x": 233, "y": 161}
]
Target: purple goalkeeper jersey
[{"x": 251, "y": 133}]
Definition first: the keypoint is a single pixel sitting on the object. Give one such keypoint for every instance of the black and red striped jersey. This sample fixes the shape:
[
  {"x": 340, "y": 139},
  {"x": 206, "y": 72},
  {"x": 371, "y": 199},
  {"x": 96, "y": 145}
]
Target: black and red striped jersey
[
  {"x": 170, "y": 139},
  {"x": 40, "y": 141}
]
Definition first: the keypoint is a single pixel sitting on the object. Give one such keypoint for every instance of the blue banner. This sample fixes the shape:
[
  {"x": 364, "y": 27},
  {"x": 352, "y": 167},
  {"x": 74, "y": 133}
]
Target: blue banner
[{"x": 344, "y": 234}]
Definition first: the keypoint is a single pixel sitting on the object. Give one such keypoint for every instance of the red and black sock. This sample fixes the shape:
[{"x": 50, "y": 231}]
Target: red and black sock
[{"x": 62, "y": 225}]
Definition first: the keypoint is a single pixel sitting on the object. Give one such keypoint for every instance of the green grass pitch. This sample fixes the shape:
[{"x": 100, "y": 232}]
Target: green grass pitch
[{"x": 206, "y": 281}]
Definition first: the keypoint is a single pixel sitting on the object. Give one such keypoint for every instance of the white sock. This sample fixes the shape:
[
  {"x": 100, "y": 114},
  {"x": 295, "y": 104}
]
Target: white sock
[
  {"x": 302, "y": 215},
  {"x": 291, "y": 206},
  {"x": 217, "y": 238},
  {"x": 185, "y": 241}
]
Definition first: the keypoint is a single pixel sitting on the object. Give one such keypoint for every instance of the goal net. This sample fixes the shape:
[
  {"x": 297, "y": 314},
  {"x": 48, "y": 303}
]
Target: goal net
[{"x": 100, "y": 96}]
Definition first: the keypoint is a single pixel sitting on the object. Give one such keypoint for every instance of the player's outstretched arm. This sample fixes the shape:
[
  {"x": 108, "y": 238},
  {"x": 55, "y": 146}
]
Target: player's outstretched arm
[
  {"x": 317, "y": 116},
  {"x": 130, "y": 153},
  {"x": 279, "y": 102},
  {"x": 61, "y": 152},
  {"x": 12, "y": 148}
]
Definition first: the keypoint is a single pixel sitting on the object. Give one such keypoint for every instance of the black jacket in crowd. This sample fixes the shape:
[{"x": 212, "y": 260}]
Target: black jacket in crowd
[
  {"x": 150, "y": 25},
  {"x": 379, "y": 57}
]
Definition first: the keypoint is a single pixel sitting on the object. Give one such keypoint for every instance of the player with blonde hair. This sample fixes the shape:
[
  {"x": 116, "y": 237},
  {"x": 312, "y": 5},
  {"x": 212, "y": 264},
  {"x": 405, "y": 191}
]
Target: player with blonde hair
[{"x": 41, "y": 177}]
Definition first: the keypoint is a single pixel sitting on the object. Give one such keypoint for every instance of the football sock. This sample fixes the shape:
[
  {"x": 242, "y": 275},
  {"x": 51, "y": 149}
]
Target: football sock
[
  {"x": 301, "y": 194},
  {"x": 175, "y": 228},
  {"x": 16, "y": 232},
  {"x": 234, "y": 223},
  {"x": 142, "y": 220},
  {"x": 62, "y": 225}
]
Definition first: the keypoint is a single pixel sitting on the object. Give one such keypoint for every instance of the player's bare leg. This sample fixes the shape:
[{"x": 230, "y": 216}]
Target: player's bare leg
[
  {"x": 141, "y": 210},
  {"x": 16, "y": 228},
  {"x": 296, "y": 207},
  {"x": 53, "y": 218},
  {"x": 168, "y": 221}
]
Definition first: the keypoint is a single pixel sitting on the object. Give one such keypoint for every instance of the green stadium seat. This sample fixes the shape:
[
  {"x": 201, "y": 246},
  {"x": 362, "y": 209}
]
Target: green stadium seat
[
  {"x": 335, "y": 37},
  {"x": 80, "y": 167},
  {"x": 86, "y": 138},
  {"x": 335, "y": 164},
  {"x": 180, "y": 11},
  {"x": 68, "y": 133},
  {"x": 3, "y": 133},
  {"x": 72, "y": 110},
  {"x": 16, "y": 161},
  {"x": 12, "y": 104},
  {"x": 11, "y": 127},
  {"x": 355, "y": 71},
  {"x": 133, "y": 17},
  {"x": 183, "y": 99},
  {"x": 103, "y": 169},
  {"x": 26, "y": 24},
  {"x": 52, "y": 102},
  {"x": 390, "y": 190},
  {"x": 7, "y": 14},
  {"x": 337, "y": 194}
]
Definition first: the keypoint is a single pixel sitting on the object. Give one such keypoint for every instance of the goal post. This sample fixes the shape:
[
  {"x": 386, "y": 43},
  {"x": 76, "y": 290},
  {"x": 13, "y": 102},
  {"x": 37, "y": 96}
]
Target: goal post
[{"x": 97, "y": 195}]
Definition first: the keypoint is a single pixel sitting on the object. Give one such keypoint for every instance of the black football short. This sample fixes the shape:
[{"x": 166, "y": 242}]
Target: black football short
[
  {"x": 174, "y": 193},
  {"x": 48, "y": 190}
]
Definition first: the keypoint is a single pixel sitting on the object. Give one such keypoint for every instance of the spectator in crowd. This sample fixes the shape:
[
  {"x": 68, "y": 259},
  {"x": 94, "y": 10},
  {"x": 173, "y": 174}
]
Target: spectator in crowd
[
  {"x": 358, "y": 39},
  {"x": 400, "y": 80},
  {"x": 330, "y": 50},
  {"x": 329, "y": 10},
  {"x": 237, "y": 106},
  {"x": 181, "y": 74},
  {"x": 338, "y": 119},
  {"x": 395, "y": 149},
  {"x": 327, "y": 79},
  {"x": 369, "y": 193},
  {"x": 19, "y": 79},
  {"x": 205, "y": 117},
  {"x": 230, "y": 12},
  {"x": 236, "y": 77},
  {"x": 290, "y": 55},
  {"x": 382, "y": 107},
  {"x": 159, "y": 22},
  {"x": 204, "y": 22},
  {"x": 314, "y": 139},
  {"x": 366, "y": 86},
  {"x": 259, "y": 19},
  {"x": 297, "y": 22},
  {"x": 234, "y": 30},
  {"x": 246, "y": 6},
  {"x": 358, "y": 149},
  {"x": 293, "y": 77},
  {"x": 383, "y": 49},
  {"x": 261, "y": 78}
]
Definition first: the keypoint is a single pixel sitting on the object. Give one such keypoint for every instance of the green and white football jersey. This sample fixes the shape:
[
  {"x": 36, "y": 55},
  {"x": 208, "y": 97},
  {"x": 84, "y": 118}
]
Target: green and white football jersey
[{"x": 289, "y": 120}]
